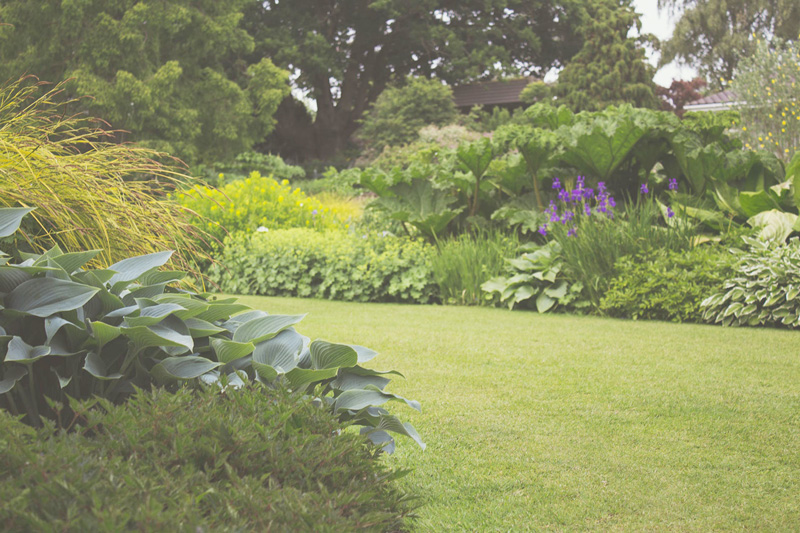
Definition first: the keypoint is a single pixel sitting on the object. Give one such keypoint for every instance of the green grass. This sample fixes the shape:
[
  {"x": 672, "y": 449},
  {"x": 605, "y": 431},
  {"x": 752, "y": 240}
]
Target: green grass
[{"x": 554, "y": 422}]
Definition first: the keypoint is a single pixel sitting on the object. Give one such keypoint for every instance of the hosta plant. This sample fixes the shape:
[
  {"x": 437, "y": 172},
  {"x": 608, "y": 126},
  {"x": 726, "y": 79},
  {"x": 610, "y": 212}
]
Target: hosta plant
[
  {"x": 68, "y": 332},
  {"x": 537, "y": 276},
  {"x": 764, "y": 289}
]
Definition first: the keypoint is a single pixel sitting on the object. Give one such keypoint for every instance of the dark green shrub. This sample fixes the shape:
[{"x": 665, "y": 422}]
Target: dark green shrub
[
  {"x": 666, "y": 284},
  {"x": 763, "y": 288},
  {"x": 257, "y": 459},
  {"x": 333, "y": 265}
]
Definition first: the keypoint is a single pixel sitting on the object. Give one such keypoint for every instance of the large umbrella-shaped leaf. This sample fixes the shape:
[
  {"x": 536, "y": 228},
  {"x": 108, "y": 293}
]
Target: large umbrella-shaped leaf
[
  {"x": 392, "y": 423},
  {"x": 46, "y": 296},
  {"x": 354, "y": 400},
  {"x": 200, "y": 328},
  {"x": 300, "y": 377},
  {"x": 104, "y": 333},
  {"x": 152, "y": 315},
  {"x": 263, "y": 328},
  {"x": 72, "y": 261},
  {"x": 219, "y": 311},
  {"x": 188, "y": 367},
  {"x": 170, "y": 332},
  {"x": 10, "y": 218},
  {"x": 132, "y": 268},
  {"x": 11, "y": 374},
  {"x": 228, "y": 351},
  {"x": 19, "y": 351},
  {"x": 12, "y": 277},
  {"x": 326, "y": 354},
  {"x": 278, "y": 355}
]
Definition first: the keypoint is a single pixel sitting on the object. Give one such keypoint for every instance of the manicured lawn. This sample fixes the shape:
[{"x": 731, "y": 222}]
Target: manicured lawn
[{"x": 537, "y": 422}]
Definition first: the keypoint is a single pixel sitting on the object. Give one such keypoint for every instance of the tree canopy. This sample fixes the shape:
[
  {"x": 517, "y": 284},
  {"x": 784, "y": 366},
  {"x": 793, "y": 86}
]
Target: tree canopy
[
  {"x": 610, "y": 68},
  {"x": 712, "y": 35},
  {"x": 172, "y": 72},
  {"x": 344, "y": 53}
]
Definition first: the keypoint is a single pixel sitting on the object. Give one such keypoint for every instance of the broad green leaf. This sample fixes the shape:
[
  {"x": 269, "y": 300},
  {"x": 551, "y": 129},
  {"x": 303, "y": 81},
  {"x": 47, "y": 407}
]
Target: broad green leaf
[
  {"x": 159, "y": 277},
  {"x": 187, "y": 367},
  {"x": 774, "y": 225},
  {"x": 200, "y": 328},
  {"x": 11, "y": 374},
  {"x": 348, "y": 381},
  {"x": 544, "y": 303},
  {"x": 10, "y": 219},
  {"x": 559, "y": 291},
  {"x": 364, "y": 354},
  {"x": 12, "y": 277},
  {"x": 220, "y": 311},
  {"x": 354, "y": 400},
  {"x": 392, "y": 423},
  {"x": 192, "y": 306},
  {"x": 228, "y": 351},
  {"x": 95, "y": 365},
  {"x": 62, "y": 381},
  {"x": 72, "y": 261},
  {"x": 280, "y": 353},
  {"x": 326, "y": 354},
  {"x": 170, "y": 332},
  {"x": 19, "y": 351},
  {"x": 753, "y": 203},
  {"x": 104, "y": 333},
  {"x": 263, "y": 328},
  {"x": 46, "y": 296},
  {"x": 152, "y": 315},
  {"x": 132, "y": 268},
  {"x": 300, "y": 377}
]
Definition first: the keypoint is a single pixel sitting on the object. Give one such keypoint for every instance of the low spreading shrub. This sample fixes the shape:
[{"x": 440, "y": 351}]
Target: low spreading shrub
[
  {"x": 667, "y": 285},
  {"x": 66, "y": 332},
  {"x": 246, "y": 163},
  {"x": 258, "y": 459},
  {"x": 259, "y": 201},
  {"x": 334, "y": 265},
  {"x": 462, "y": 264},
  {"x": 763, "y": 288}
]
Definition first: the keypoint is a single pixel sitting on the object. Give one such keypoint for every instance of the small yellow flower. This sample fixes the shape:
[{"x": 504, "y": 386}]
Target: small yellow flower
[
  {"x": 744, "y": 128},
  {"x": 783, "y": 123},
  {"x": 280, "y": 198},
  {"x": 285, "y": 182}
]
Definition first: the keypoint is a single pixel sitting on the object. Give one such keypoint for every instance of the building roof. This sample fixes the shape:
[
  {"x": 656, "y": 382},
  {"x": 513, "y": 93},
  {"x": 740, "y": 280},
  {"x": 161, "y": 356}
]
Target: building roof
[
  {"x": 490, "y": 92},
  {"x": 712, "y": 102}
]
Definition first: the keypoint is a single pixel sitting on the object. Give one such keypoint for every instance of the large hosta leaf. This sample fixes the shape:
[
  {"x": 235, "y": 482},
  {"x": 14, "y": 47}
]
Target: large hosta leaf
[
  {"x": 170, "y": 332},
  {"x": 392, "y": 423},
  {"x": 132, "y": 268},
  {"x": 19, "y": 351},
  {"x": 263, "y": 328},
  {"x": 278, "y": 355},
  {"x": 95, "y": 365},
  {"x": 326, "y": 354},
  {"x": 228, "y": 351},
  {"x": 188, "y": 367},
  {"x": 354, "y": 400},
  {"x": 10, "y": 218},
  {"x": 200, "y": 328},
  {"x": 219, "y": 311},
  {"x": 153, "y": 314},
  {"x": 300, "y": 377},
  {"x": 11, "y": 374},
  {"x": 72, "y": 261},
  {"x": 46, "y": 296}
]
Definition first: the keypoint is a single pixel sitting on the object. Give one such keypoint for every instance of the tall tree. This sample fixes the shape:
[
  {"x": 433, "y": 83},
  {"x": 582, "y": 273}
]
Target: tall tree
[
  {"x": 343, "y": 53},
  {"x": 610, "y": 68},
  {"x": 712, "y": 35},
  {"x": 171, "y": 72}
]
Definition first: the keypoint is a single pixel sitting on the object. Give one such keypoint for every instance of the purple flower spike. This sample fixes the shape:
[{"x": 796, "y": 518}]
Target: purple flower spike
[
  {"x": 581, "y": 181},
  {"x": 314, "y": 212},
  {"x": 673, "y": 184},
  {"x": 554, "y": 217},
  {"x": 587, "y": 210},
  {"x": 588, "y": 193},
  {"x": 543, "y": 229},
  {"x": 644, "y": 188},
  {"x": 572, "y": 231},
  {"x": 612, "y": 202},
  {"x": 601, "y": 187},
  {"x": 563, "y": 195},
  {"x": 670, "y": 212},
  {"x": 556, "y": 183}
]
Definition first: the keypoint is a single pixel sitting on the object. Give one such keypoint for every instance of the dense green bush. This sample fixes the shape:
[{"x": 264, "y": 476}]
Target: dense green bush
[
  {"x": 258, "y": 459},
  {"x": 257, "y": 201},
  {"x": 66, "y": 332},
  {"x": 667, "y": 285},
  {"x": 462, "y": 264},
  {"x": 246, "y": 163},
  {"x": 763, "y": 288},
  {"x": 333, "y": 264}
]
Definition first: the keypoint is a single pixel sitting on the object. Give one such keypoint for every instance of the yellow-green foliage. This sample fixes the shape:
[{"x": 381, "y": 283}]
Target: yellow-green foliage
[
  {"x": 88, "y": 193},
  {"x": 259, "y": 201}
]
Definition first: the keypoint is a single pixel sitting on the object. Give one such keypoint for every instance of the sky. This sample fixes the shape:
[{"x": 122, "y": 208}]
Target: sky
[{"x": 661, "y": 25}]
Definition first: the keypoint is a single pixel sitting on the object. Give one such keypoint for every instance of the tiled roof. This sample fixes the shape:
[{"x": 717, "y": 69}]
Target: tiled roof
[
  {"x": 490, "y": 92},
  {"x": 723, "y": 97}
]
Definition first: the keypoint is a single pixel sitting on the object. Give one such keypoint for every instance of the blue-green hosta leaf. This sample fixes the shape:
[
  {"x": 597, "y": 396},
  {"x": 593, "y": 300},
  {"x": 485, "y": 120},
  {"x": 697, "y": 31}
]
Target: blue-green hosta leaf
[
  {"x": 95, "y": 278},
  {"x": 200, "y": 328},
  {"x": 233, "y": 323},
  {"x": 326, "y": 354},
  {"x": 364, "y": 354},
  {"x": 72, "y": 261},
  {"x": 10, "y": 218},
  {"x": 279, "y": 353},
  {"x": 152, "y": 315},
  {"x": 170, "y": 332},
  {"x": 192, "y": 306},
  {"x": 544, "y": 303},
  {"x": 11, "y": 374},
  {"x": 123, "y": 312},
  {"x": 228, "y": 351},
  {"x": 557, "y": 292},
  {"x": 95, "y": 365},
  {"x": 19, "y": 351},
  {"x": 46, "y": 296},
  {"x": 774, "y": 225},
  {"x": 62, "y": 381},
  {"x": 12, "y": 277},
  {"x": 354, "y": 400},
  {"x": 392, "y": 423},
  {"x": 347, "y": 381},
  {"x": 132, "y": 268},
  {"x": 187, "y": 367},
  {"x": 220, "y": 311},
  {"x": 138, "y": 292},
  {"x": 263, "y": 328},
  {"x": 301, "y": 377},
  {"x": 265, "y": 372},
  {"x": 158, "y": 277},
  {"x": 104, "y": 333},
  {"x": 380, "y": 438}
]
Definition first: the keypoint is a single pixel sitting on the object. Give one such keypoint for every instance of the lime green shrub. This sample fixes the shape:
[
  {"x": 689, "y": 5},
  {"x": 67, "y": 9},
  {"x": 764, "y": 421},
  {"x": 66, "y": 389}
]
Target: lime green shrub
[
  {"x": 667, "y": 284},
  {"x": 332, "y": 264},
  {"x": 258, "y": 459},
  {"x": 260, "y": 201}
]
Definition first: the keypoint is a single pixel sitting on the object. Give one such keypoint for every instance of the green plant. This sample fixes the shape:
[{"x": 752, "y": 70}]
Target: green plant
[
  {"x": 538, "y": 277},
  {"x": 65, "y": 331},
  {"x": 253, "y": 459},
  {"x": 336, "y": 265},
  {"x": 665, "y": 284},
  {"x": 763, "y": 288},
  {"x": 259, "y": 201},
  {"x": 461, "y": 264},
  {"x": 244, "y": 164},
  {"x": 89, "y": 193}
]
